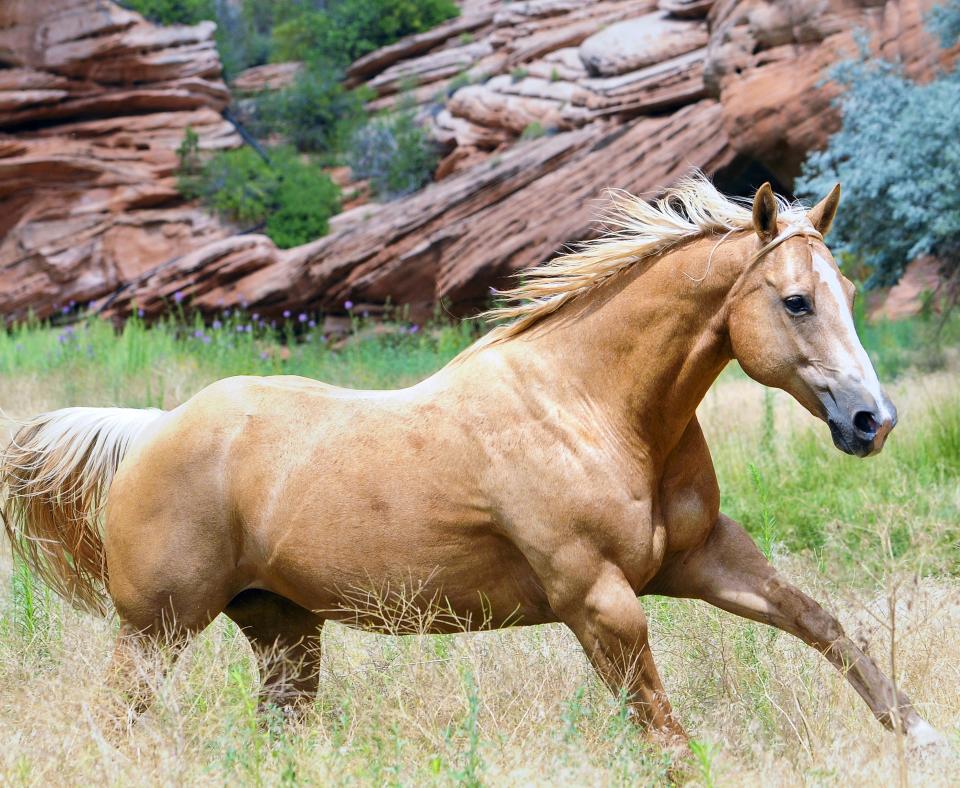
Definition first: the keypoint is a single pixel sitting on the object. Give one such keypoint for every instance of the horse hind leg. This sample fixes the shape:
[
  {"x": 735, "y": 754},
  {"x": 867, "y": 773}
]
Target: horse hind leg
[
  {"x": 162, "y": 603},
  {"x": 141, "y": 659},
  {"x": 286, "y": 643}
]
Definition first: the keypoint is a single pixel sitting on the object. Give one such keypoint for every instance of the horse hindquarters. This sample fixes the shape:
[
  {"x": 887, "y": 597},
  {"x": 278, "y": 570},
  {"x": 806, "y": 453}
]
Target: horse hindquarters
[{"x": 171, "y": 551}]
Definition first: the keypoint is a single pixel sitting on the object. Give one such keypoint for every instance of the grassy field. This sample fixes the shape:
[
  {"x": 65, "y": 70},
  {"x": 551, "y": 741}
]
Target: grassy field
[{"x": 877, "y": 541}]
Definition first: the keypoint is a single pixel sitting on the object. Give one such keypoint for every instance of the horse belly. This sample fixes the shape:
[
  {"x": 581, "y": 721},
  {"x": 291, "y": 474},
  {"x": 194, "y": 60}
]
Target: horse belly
[{"x": 413, "y": 579}]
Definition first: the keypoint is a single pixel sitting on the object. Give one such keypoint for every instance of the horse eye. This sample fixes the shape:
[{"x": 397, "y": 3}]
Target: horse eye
[{"x": 796, "y": 305}]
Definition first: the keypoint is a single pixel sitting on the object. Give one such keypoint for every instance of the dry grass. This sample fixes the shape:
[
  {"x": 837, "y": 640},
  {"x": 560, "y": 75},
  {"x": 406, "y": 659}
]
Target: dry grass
[{"x": 514, "y": 707}]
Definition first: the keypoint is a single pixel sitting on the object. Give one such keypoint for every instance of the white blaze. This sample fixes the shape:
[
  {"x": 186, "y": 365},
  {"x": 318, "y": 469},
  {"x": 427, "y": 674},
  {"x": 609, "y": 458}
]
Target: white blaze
[{"x": 851, "y": 356}]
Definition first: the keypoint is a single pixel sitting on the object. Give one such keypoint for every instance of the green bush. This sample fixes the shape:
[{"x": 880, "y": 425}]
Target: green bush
[
  {"x": 340, "y": 31},
  {"x": 293, "y": 200},
  {"x": 174, "y": 12},
  {"x": 533, "y": 131},
  {"x": 306, "y": 198},
  {"x": 394, "y": 153},
  {"x": 315, "y": 113}
]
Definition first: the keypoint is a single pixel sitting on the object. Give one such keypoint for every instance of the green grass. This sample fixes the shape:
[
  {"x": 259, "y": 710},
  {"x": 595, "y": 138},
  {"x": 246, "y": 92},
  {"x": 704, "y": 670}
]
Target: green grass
[
  {"x": 800, "y": 491},
  {"x": 131, "y": 367}
]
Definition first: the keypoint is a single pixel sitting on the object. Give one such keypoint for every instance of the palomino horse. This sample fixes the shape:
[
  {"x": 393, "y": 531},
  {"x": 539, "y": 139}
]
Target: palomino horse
[{"x": 552, "y": 472}]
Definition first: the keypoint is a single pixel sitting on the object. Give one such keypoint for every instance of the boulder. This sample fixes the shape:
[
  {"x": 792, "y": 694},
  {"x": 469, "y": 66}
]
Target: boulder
[
  {"x": 485, "y": 105},
  {"x": 921, "y": 279},
  {"x": 272, "y": 76},
  {"x": 644, "y": 41}
]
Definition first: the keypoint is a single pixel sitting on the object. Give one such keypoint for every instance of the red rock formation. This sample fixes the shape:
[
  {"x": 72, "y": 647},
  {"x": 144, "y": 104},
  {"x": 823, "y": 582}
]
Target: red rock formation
[
  {"x": 91, "y": 204},
  {"x": 91, "y": 114},
  {"x": 453, "y": 239},
  {"x": 768, "y": 62}
]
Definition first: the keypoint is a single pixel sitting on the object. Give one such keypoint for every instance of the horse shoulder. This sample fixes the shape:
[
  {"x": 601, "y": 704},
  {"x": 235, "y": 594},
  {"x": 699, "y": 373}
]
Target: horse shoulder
[{"x": 689, "y": 492}]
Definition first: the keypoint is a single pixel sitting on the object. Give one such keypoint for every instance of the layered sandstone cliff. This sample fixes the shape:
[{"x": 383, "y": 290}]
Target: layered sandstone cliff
[
  {"x": 94, "y": 102},
  {"x": 618, "y": 93}
]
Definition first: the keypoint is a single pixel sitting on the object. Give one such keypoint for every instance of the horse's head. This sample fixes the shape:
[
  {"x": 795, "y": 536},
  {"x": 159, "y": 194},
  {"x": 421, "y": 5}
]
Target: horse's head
[{"x": 791, "y": 326}]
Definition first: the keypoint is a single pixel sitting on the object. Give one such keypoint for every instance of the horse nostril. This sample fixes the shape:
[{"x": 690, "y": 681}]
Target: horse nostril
[{"x": 866, "y": 422}]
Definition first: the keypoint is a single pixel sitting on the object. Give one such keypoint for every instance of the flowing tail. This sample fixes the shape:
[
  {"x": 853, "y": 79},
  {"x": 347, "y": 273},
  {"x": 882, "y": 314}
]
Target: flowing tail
[{"x": 56, "y": 473}]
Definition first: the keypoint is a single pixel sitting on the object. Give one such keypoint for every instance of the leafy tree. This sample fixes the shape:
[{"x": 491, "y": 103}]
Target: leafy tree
[
  {"x": 394, "y": 153},
  {"x": 897, "y": 155}
]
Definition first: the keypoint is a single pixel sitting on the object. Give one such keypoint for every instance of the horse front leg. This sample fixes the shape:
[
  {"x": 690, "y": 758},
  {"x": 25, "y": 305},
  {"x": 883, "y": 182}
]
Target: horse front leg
[
  {"x": 605, "y": 615},
  {"x": 730, "y": 572}
]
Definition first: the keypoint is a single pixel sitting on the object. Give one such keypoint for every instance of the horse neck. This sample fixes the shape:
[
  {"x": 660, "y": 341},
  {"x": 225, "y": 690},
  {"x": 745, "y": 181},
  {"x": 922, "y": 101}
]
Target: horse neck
[{"x": 645, "y": 347}]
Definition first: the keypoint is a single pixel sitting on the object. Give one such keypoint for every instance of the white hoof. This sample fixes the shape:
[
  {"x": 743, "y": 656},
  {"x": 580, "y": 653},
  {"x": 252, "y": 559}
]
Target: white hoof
[{"x": 923, "y": 735}]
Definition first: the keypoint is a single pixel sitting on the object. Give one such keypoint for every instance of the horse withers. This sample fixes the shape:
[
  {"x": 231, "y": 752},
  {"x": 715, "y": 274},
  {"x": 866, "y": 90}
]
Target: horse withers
[{"x": 554, "y": 471}]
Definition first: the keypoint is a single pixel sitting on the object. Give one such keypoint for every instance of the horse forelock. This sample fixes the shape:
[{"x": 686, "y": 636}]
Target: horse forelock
[{"x": 635, "y": 230}]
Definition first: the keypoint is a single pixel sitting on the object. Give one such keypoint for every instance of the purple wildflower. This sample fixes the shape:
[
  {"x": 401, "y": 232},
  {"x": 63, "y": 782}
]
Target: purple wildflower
[
  {"x": 140, "y": 312},
  {"x": 414, "y": 328},
  {"x": 65, "y": 310},
  {"x": 216, "y": 325},
  {"x": 255, "y": 317},
  {"x": 348, "y": 305},
  {"x": 286, "y": 314},
  {"x": 206, "y": 340},
  {"x": 198, "y": 334},
  {"x": 312, "y": 324},
  {"x": 302, "y": 317},
  {"x": 178, "y": 297}
]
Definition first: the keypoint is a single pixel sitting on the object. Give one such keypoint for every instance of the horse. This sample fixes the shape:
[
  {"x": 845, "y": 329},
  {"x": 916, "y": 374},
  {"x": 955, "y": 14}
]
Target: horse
[{"x": 554, "y": 471}]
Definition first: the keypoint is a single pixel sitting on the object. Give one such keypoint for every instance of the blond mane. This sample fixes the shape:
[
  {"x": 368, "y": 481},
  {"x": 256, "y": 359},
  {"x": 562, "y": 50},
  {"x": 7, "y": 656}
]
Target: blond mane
[{"x": 635, "y": 230}]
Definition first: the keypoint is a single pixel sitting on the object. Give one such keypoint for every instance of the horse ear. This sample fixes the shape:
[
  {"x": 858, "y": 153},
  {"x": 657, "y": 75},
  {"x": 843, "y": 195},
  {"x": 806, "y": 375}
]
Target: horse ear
[
  {"x": 765, "y": 212},
  {"x": 821, "y": 215}
]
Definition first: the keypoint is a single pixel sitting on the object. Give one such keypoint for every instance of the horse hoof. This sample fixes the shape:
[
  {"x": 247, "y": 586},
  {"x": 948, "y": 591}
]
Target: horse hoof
[{"x": 923, "y": 737}]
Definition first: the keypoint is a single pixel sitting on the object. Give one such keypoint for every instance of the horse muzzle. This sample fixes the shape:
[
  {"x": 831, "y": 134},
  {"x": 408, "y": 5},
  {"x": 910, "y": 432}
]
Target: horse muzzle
[{"x": 859, "y": 424}]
